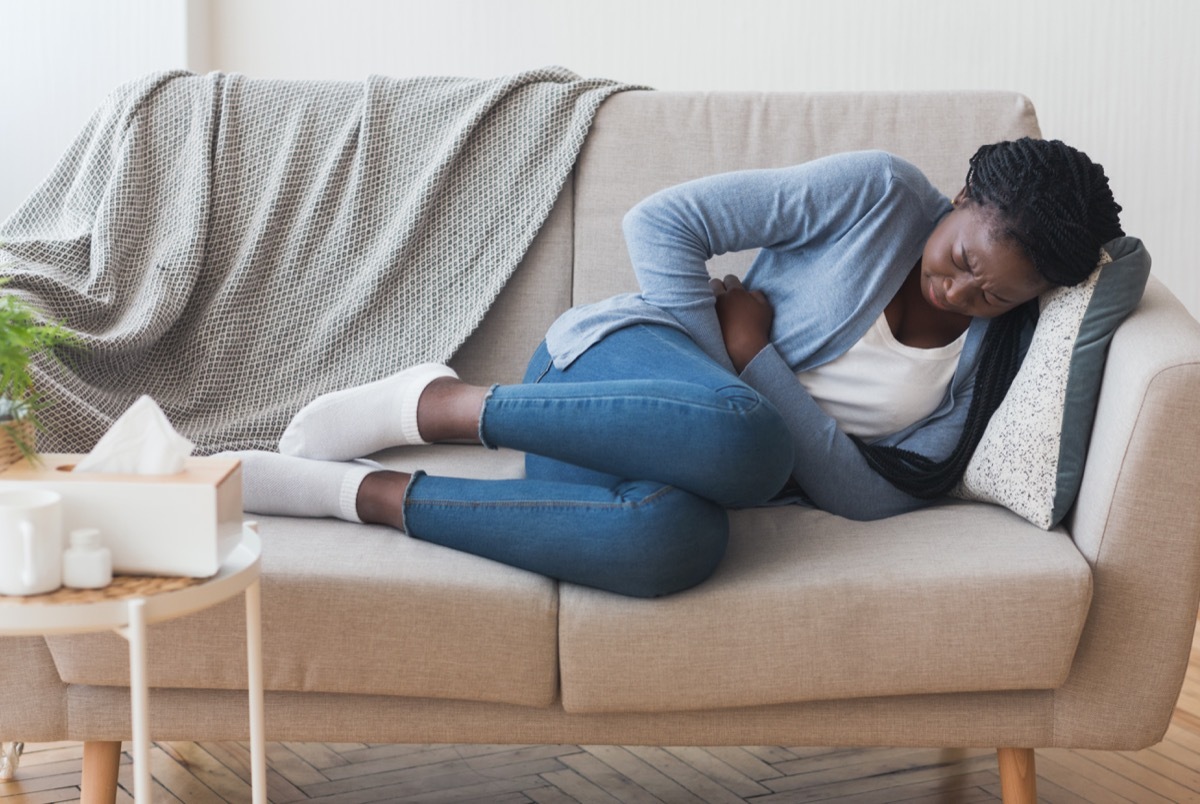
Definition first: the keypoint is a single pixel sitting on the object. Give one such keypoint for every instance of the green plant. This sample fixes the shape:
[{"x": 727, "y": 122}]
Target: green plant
[{"x": 23, "y": 334}]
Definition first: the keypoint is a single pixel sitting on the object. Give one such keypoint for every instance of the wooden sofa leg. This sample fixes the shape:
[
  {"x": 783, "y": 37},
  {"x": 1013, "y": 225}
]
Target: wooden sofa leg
[
  {"x": 1018, "y": 777},
  {"x": 101, "y": 761}
]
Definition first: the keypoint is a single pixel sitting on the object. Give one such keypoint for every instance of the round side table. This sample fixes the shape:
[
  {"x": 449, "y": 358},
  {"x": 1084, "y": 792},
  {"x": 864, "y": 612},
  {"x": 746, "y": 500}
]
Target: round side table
[{"x": 131, "y": 603}]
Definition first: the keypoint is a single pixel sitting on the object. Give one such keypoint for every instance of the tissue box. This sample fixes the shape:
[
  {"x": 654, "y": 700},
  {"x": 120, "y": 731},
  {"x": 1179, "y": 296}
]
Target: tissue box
[{"x": 181, "y": 524}]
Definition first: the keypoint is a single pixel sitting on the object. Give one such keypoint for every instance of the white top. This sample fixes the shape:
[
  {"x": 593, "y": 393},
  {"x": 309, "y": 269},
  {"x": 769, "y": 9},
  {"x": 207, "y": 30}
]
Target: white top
[{"x": 880, "y": 386}]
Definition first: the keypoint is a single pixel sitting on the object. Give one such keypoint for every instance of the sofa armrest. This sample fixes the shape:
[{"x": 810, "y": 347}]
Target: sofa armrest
[
  {"x": 33, "y": 699},
  {"x": 1137, "y": 522}
]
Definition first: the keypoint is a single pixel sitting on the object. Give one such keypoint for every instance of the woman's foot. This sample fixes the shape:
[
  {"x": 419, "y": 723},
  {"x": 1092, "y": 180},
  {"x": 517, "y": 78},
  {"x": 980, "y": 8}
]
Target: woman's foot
[
  {"x": 359, "y": 421},
  {"x": 289, "y": 486}
]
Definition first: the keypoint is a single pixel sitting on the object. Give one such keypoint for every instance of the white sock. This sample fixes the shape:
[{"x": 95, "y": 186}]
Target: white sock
[
  {"x": 281, "y": 484},
  {"x": 362, "y": 420}
]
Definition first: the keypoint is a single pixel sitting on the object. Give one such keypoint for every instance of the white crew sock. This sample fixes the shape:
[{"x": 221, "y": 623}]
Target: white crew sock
[
  {"x": 359, "y": 421},
  {"x": 281, "y": 484}
]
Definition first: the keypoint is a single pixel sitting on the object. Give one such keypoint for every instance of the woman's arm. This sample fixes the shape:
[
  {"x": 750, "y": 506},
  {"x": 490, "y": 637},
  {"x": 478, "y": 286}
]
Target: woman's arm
[
  {"x": 829, "y": 466},
  {"x": 672, "y": 234}
]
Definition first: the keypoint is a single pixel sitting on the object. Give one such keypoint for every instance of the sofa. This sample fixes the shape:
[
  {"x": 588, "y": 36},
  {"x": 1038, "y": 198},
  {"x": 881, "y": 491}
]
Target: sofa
[{"x": 961, "y": 625}]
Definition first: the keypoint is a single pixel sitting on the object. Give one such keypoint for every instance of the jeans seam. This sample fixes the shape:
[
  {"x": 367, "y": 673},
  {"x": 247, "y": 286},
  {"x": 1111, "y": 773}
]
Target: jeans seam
[
  {"x": 592, "y": 396},
  {"x": 545, "y": 371},
  {"x": 545, "y": 504}
]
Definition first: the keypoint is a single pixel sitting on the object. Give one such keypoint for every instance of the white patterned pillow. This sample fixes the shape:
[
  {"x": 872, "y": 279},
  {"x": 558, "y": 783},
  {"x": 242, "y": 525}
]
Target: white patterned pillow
[{"x": 1030, "y": 459}]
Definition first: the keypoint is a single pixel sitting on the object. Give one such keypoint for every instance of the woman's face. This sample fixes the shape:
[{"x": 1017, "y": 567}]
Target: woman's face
[{"x": 965, "y": 270}]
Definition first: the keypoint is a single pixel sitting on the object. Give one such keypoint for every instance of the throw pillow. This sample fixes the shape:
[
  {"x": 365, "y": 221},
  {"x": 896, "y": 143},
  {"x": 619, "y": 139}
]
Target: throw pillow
[{"x": 1031, "y": 457}]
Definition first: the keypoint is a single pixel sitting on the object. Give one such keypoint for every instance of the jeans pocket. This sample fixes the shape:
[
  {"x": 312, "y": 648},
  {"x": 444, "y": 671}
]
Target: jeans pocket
[{"x": 539, "y": 365}]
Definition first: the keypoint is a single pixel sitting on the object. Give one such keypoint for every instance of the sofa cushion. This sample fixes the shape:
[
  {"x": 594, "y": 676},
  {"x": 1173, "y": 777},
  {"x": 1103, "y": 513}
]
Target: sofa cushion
[
  {"x": 807, "y": 606},
  {"x": 361, "y": 609}
]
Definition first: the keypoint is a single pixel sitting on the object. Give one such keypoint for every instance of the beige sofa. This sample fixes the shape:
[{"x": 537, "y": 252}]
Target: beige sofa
[{"x": 961, "y": 625}]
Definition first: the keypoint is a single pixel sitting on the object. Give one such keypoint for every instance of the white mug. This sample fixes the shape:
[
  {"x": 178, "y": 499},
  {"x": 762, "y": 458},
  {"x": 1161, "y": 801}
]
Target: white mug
[{"x": 31, "y": 542}]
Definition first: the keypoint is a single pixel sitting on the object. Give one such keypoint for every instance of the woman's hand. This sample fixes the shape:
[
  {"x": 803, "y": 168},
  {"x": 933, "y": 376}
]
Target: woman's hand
[{"x": 745, "y": 318}]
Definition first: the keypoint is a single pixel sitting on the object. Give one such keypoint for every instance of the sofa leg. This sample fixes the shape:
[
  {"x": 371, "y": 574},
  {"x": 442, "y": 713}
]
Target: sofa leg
[
  {"x": 1018, "y": 777},
  {"x": 101, "y": 761}
]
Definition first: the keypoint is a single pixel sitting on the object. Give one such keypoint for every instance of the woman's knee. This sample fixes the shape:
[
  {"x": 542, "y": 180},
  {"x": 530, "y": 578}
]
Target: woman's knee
[
  {"x": 670, "y": 541},
  {"x": 757, "y": 454}
]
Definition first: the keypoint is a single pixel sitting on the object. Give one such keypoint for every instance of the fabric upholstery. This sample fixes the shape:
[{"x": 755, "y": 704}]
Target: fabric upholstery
[
  {"x": 364, "y": 609},
  {"x": 981, "y": 719},
  {"x": 33, "y": 701},
  {"x": 809, "y": 606},
  {"x": 536, "y": 294},
  {"x": 1137, "y": 522}
]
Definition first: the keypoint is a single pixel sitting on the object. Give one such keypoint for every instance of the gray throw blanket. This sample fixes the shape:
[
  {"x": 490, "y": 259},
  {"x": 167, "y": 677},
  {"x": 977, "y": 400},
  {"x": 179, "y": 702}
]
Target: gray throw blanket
[{"x": 235, "y": 247}]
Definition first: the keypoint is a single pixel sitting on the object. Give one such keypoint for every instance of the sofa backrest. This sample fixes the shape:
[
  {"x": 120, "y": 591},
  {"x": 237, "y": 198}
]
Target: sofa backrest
[{"x": 643, "y": 141}]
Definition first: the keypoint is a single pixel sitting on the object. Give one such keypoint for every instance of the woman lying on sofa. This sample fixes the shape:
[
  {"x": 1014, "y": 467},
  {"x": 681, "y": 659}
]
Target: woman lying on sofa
[{"x": 855, "y": 370}]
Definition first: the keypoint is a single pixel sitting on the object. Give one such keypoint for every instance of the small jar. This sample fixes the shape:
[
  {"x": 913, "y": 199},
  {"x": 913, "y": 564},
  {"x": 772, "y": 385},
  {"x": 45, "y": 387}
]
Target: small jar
[{"x": 86, "y": 563}]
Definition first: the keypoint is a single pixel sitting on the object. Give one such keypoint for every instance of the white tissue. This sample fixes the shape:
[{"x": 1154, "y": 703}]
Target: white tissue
[{"x": 140, "y": 442}]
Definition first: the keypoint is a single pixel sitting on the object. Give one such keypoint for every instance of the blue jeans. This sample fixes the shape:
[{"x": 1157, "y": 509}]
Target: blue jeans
[{"x": 633, "y": 453}]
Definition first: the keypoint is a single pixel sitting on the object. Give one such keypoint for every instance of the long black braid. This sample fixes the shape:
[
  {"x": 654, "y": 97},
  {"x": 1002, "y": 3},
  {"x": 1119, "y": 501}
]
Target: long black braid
[{"x": 1056, "y": 204}]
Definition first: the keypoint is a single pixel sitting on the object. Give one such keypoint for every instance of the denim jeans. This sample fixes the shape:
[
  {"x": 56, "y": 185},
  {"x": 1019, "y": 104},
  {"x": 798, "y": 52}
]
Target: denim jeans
[{"x": 633, "y": 455}]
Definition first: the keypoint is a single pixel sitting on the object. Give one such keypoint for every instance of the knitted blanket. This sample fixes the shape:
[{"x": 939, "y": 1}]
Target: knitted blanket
[{"x": 235, "y": 247}]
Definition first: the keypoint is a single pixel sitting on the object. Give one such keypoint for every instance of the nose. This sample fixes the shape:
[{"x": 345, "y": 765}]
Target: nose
[{"x": 957, "y": 290}]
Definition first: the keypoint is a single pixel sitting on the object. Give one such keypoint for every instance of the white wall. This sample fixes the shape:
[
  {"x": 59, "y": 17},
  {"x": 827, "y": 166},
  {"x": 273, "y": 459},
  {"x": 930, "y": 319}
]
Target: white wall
[
  {"x": 1116, "y": 78},
  {"x": 58, "y": 59},
  {"x": 1119, "y": 79}
]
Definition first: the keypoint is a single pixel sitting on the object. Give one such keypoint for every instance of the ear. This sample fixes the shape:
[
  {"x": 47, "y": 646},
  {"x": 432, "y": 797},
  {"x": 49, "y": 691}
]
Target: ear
[{"x": 962, "y": 196}]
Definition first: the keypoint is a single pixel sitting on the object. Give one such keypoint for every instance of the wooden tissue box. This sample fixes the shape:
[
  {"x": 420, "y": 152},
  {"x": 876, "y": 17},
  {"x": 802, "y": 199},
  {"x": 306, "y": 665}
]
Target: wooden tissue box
[{"x": 181, "y": 524}]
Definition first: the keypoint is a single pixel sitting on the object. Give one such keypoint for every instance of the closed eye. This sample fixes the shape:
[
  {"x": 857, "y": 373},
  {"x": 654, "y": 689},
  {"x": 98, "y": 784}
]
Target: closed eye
[
  {"x": 988, "y": 296},
  {"x": 959, "y": 263}
]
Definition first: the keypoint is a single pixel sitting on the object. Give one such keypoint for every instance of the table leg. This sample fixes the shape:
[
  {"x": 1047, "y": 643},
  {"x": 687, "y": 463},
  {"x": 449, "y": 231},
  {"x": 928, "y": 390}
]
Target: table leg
[
  {"x": 258, "y": 748},
  {"x": 140, "y": 694}
]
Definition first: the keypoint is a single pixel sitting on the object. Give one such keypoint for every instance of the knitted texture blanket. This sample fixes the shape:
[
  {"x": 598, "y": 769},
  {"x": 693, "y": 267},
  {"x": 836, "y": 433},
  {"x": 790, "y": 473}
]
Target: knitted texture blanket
[{"x": 234, "y": 247}]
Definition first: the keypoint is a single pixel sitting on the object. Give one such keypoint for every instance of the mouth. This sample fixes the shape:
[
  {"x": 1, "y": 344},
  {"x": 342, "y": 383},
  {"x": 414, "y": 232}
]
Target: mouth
[{"x": 931, "y": 294}]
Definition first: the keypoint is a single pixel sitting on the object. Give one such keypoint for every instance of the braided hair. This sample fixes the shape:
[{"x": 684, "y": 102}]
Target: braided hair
[
  {"x": 1055, "y": 204},
  {"x": 1049, "y": 199}
]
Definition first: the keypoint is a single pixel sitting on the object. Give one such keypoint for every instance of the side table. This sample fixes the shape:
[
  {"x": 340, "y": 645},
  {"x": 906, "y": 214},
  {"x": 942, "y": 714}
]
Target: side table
[{"x": 133, "y": 602}]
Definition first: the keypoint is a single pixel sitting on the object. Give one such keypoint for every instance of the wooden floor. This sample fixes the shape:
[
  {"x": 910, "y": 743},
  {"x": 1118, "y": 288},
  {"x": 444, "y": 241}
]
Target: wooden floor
[{"x": 355, "y": 773}]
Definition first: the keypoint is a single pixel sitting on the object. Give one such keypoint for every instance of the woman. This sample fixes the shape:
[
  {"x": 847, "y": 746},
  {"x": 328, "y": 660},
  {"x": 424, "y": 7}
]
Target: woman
[{"x": 855, "y": 369}]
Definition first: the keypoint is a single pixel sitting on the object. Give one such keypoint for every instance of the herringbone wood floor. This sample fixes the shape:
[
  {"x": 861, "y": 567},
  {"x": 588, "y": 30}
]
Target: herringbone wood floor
[{"x": 355, "y": 773}]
